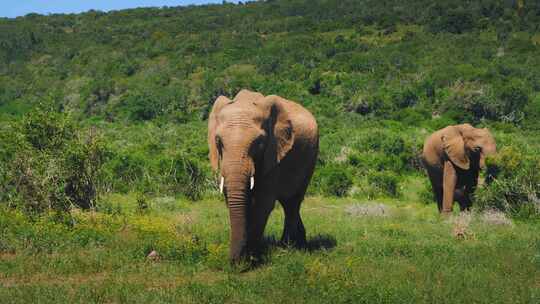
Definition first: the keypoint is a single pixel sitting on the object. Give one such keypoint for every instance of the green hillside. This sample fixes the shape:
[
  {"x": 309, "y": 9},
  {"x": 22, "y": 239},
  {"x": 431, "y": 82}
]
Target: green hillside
[
  {"x": 378, "y": 75},
  {"x": 462, "y": 59},
  {"x": 109, "y": 111}
]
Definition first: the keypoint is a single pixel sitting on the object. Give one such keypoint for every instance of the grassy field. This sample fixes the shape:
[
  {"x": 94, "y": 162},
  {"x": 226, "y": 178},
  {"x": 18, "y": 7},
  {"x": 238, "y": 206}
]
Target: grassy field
[{"x": 389, "y": 251}]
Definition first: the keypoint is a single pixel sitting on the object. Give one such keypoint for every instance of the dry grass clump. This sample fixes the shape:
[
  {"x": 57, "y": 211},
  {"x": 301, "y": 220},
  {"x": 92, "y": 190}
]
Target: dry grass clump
[
  {"x": 461, "y": 225},
  {"x": 494, "y": 217},
  {"x": 368, "y": 209}
]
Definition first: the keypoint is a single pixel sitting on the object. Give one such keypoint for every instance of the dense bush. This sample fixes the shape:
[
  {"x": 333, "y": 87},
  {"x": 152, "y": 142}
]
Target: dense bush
[
  {"x": 516, "y": 188},
  {"x": 142, "y": 105},
  {"x": 374, "y": 160},
  {"x": 47, "y": 162},
  {"x": 332, "y": 180},
  {"x": 513, "y": 98},
  {"x": 357, "y": 55},
  {"x": 124, "y": 170},
  {"x": 457, "y": 21},
  {"x": 470, "y": 102},
  {"x": 186, "y": 176},
  {"x": 383, "y": 183},
  {"x": 385, "y": 149},
  {"x": 49, "y": 165},
  {"x": 532, "y": 120}
]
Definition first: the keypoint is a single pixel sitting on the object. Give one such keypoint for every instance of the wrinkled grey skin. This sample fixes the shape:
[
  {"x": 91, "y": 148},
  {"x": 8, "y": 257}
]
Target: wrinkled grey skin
[
  {"x": 276, "y": 142},
  {"x": 453, "y": 158}
]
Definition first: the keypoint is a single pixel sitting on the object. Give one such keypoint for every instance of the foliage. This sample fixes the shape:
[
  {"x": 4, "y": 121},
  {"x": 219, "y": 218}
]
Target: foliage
[
  {"x": 48, "y": 165},
  {"x": 333, "y": 180},
  {"x": 378, "y": 80},
  {"x": 516, "y": 187},
  {"x": 384, "y": 182},
  {"x": 357, "y": 55}
]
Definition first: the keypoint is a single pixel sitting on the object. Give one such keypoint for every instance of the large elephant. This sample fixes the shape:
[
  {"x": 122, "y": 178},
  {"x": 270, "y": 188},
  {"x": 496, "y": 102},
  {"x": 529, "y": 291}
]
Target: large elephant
[
  {"x": 265, "y": 149},
  {"x": 453, "y": 157}
]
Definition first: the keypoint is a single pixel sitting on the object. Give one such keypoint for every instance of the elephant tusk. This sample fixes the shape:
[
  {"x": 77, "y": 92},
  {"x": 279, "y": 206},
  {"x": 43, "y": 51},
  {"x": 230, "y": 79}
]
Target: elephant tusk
[
  {"x": 251, "y": 183},
  {"x": 221, "y": 184}
]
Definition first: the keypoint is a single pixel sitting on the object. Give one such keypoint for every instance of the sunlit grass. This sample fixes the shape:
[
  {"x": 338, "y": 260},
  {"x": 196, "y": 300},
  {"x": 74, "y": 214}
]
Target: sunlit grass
[{"x": 410, "y": 256}]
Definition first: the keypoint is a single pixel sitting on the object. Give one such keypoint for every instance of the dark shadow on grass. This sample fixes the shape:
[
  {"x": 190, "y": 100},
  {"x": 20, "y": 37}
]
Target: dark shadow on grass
[
  {"x": 320, "y": 242},
  {"x": 261, "y": 255}
]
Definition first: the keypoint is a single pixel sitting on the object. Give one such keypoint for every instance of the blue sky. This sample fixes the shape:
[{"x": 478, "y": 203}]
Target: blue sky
[{"x": 14, "y": 8}]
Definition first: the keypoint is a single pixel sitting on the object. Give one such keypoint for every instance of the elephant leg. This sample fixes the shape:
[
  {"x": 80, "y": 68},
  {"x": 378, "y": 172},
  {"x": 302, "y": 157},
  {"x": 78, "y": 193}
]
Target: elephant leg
[
  {"x": 258, "y": 216},
  {"x": 460, "y": 196},
  {"x": 438, "y": 192},
  {"x": 465, "y": 203},
  {"x": 293, "y": 231},
  {"x": 449, "y": 186},
  {"x": 436, "y": 187}
]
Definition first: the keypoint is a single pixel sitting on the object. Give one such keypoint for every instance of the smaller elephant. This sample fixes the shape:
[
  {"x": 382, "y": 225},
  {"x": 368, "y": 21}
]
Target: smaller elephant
[{"x": 453, "y": 157}]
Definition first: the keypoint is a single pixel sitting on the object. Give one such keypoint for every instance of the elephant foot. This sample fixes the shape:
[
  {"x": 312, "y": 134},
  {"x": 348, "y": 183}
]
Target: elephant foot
[
  {"x": 256, "y": 248},
  {"x": 297, "y": 240},
  {"x": 238, "y": 258},
  {"x": 298, "y": 243},
  {"x": 446, "y": 214}
]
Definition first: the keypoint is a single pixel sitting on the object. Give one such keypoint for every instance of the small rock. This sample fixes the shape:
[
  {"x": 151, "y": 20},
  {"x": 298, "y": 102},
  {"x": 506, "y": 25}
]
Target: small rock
[{"x": 154, "y": 256}]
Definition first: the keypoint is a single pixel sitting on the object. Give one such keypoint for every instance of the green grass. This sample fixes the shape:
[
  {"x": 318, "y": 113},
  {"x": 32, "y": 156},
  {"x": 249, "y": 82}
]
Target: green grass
[{"x": 410, "y": 256}]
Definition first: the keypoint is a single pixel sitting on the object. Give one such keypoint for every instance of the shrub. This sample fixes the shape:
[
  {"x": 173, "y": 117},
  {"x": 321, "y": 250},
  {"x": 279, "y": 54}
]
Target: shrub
[
  {"x": 384, "y": 150},
  {"x": 516, "y": 188},
  {"x": 532, "y": 118},
  {"x": 188, "y": 177},
  {"x": 411, "y": 116},
  {"x": 456, "y": 21},
  {"x": 383, "y": 183},
  {"x": 51, "y": 165},
  {"x": 440, "y": 122},
  {"x": 378, "y": 104},
  {"x": 404, "y": 99},
  {"x": 513, "y": 97},
  {"x": 333, "y": 180},
  {"x": 83, "y": 160},
  {"x": 470, "y": 102},
  {"x": 109, "y": 207},
  {"x": 376, "y": 161},
  {"x": 142, "y": 203},
  {"x": 386, "y": 141},
  {"x": 96, "y": 94},
  {"x": 125, "y": 169},
  {"x": 46, "y": 130},
  {"x": 142, "y": 106},
  {"x": 425, "y": 195}
]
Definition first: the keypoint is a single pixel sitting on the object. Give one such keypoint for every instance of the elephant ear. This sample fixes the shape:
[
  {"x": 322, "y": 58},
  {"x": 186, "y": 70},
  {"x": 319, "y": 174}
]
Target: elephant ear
[
  {"x": 280, "y": 133},
  {"x": 213, "y": 154},
  {"x": 454, "y": 146}
]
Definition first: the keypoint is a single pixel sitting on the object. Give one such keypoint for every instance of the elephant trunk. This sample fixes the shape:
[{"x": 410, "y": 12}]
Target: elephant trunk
[
  {"x": 492, "y": 171},
  {"x": 238, "y": 198},
  {"x": 486, "y": 151}
]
